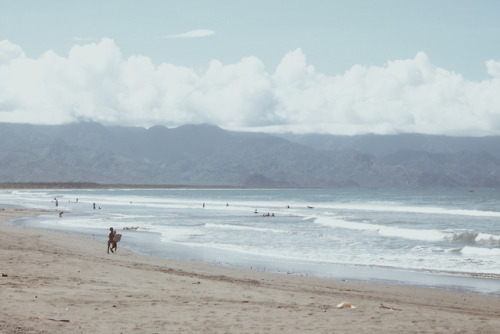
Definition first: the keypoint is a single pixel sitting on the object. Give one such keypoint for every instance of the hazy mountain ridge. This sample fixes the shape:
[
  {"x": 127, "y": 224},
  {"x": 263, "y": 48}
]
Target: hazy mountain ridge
[
  {"x": 208, "y": 155},
  {"x": 382, "y": 145}
]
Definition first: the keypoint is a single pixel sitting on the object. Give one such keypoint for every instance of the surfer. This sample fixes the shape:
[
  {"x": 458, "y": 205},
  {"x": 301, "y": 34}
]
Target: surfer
[{"x": 111, "y": 241}]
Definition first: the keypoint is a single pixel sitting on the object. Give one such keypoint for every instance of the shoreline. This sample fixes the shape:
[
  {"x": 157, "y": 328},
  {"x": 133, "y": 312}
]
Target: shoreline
[
  {"x": 55, "y": 282},
  {"x": 148, "y": 244}
]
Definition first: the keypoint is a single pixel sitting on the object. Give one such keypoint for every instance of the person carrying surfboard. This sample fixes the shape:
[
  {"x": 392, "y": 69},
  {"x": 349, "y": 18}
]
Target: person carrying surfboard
[{"x": 111, "y": 240}]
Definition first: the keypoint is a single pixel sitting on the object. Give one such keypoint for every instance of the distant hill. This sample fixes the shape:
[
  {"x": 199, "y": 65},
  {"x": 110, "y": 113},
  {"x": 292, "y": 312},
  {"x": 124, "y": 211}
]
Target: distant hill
[
  {"x": 206, "y": 155},
  {"x": 382, "y": 145}
]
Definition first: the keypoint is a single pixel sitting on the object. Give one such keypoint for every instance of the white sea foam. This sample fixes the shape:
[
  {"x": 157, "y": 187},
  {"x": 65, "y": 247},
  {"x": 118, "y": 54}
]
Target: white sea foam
[
  {"x": 383, "y": 206},
  {"x": 242, "y": 227},
  {"x": 82, "y": 222},
  {"x": 388, "y": 231},
  {"x": 488, "y": 239},
  {"x": 470, "y": 237},
  {"x": 177, "y": 234},
  {"x": 469, "y": 250}
]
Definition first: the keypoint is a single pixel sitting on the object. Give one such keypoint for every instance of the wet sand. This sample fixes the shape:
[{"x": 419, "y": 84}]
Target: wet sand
[{"x": 62, "y": 283}]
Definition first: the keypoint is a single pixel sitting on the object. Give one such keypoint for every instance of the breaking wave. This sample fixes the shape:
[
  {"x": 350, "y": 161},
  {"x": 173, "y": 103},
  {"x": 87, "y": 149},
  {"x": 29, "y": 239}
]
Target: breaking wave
[
  {"x": 474, "y": 238},
  {"x": 468, "y": 250},
  {"x": 465, "y": 237}
]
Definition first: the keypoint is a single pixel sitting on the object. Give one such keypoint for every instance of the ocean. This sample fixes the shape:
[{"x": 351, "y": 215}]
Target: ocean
[{"x": 443, "y": 238}]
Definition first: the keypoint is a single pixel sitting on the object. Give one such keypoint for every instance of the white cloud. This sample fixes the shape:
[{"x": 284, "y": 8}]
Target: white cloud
[
  {"x": 493, "y": 68},
  {"x": 194, "y": 34},
  {"x": 9, "y": 51},
  {"x": 95, "y": 82}
]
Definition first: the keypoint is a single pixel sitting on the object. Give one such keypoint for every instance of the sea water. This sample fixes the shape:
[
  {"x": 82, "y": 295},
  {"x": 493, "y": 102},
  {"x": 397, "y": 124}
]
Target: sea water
[{"x": 447, "y": 238}]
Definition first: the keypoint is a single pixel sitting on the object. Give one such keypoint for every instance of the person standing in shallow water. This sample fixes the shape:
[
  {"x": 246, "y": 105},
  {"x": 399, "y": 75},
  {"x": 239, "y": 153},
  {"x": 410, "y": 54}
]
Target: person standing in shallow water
[{"x": 111, "y": 241}]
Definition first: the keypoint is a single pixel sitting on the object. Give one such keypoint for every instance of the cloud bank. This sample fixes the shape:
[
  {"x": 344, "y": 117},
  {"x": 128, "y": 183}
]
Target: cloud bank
[{"x": 95, "y": 82}]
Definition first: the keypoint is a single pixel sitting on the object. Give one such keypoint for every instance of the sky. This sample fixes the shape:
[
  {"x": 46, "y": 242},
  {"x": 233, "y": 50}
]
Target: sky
[{"x": 342, "y": 67}]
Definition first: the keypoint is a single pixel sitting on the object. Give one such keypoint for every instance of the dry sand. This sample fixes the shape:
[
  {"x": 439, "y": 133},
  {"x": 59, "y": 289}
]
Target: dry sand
[{"x": 62, "y": 283}]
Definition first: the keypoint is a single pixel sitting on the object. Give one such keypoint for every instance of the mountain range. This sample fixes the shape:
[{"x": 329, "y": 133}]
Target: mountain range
[{"x": 206, "y": 155}]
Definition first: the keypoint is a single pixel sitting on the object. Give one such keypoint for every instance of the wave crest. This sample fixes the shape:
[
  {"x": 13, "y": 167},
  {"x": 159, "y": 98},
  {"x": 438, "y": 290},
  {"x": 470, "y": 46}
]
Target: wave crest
[{"x": 473, "y": 238}]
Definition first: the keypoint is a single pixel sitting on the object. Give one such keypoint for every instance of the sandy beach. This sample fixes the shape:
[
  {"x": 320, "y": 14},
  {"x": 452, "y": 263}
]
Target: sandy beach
[{"x": 62, "y": 283}]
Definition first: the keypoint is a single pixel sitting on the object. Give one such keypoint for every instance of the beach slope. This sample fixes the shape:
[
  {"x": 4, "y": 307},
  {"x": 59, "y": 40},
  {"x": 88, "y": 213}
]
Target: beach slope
[{"x": 62, "y": 283}]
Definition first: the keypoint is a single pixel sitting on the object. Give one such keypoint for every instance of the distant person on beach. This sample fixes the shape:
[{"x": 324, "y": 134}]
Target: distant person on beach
[{"x": 111, "y": 242}]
